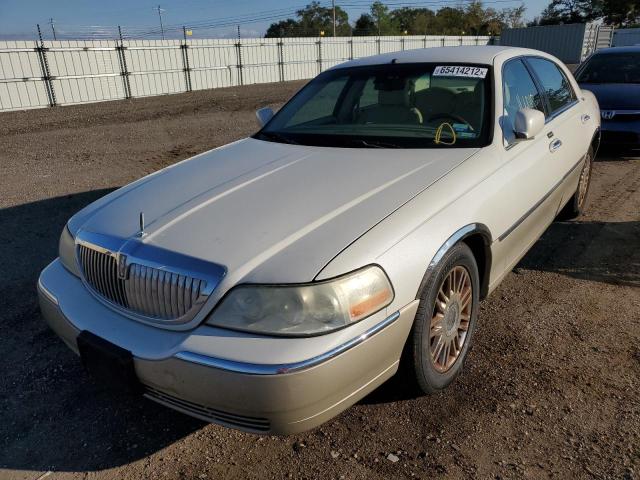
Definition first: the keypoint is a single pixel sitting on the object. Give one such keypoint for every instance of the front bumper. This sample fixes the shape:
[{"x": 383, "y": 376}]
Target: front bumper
[
  {"x": 621, "y": 133},
  {"x": 274, "y": 398}
]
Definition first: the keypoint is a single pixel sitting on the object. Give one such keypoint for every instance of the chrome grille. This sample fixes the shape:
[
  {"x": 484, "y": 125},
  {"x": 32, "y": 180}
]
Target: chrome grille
[
  {"x": 145, "y": 290},
  {"x": 101, "y": 272}
]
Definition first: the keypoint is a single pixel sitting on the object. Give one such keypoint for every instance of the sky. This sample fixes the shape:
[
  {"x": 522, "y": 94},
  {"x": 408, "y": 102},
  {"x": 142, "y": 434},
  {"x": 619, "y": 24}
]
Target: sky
[{"x": 216, "y": 18}]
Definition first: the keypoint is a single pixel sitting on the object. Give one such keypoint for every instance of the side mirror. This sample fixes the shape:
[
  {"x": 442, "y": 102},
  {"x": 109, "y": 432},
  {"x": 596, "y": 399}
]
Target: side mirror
[
  {"x": 264, "y": 115},
  {"x": 528, "y": 123}
]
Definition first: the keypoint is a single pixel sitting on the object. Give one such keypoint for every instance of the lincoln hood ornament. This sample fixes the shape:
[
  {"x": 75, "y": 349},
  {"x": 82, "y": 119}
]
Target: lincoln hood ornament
[{"x": 141, "y": 232}]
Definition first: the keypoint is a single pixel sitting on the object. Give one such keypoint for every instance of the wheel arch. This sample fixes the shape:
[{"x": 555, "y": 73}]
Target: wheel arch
[
  {"x": 477, "y": 237},
  {"x": 595, "y": 141}
]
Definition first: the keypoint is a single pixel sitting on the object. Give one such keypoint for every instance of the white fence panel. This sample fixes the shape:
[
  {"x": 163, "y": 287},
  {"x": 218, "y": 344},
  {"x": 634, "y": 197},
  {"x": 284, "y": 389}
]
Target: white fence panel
[
  {"x": 300, "y": 58},
  {"x": 85, "y": 71},
  {"x": 260, "y": 61},
  {"x": 156, "y": 67},
  {"x": 21, "y": 75},
  {"x": 213, "y": 63},
  {"x": 70, "y": 72}
]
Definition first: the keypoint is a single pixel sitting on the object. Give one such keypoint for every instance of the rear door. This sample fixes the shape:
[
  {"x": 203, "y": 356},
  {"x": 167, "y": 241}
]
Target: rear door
[{"x": 570, "y": 129}]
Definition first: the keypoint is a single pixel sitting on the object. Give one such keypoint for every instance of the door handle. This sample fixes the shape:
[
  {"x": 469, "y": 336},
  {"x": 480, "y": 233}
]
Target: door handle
[
  {"x": 585, "y": 118},
  {"x": 555, "y": 145}
]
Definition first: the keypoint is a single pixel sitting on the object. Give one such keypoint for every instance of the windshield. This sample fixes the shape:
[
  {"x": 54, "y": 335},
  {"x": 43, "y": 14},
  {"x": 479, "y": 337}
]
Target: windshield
[
  {"x": 611, "y": 68},
  {"x": 388, "y": 106}
]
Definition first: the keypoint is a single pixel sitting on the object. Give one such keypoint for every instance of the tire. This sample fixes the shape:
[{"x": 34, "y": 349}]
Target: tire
[
  {"x": 575, "y": 206},
  {"x": 432, "y": 371}
]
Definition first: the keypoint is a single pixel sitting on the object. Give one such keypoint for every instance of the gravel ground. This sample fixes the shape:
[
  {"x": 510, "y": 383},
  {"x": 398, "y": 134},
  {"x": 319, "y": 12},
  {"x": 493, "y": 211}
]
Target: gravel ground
[{"x": 550, "y": 389}]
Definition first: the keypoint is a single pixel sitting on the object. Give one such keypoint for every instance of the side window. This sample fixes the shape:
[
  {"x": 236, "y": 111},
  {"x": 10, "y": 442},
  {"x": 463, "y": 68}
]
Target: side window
[
  {"x": 554, "y": 83},
  {"x": 519, "y": 91}
]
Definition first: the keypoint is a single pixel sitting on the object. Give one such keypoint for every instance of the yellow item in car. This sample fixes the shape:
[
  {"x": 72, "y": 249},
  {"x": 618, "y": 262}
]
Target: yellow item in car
[{"x": 437, "y": 140}]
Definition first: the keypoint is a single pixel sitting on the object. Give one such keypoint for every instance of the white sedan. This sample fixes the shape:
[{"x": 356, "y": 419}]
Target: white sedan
[{"x": 269, "y": 284}]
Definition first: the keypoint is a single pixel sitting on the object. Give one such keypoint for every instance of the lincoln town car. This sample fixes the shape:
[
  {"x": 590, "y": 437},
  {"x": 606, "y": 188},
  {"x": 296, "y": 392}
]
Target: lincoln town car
[{"x": 269, "y": 284}]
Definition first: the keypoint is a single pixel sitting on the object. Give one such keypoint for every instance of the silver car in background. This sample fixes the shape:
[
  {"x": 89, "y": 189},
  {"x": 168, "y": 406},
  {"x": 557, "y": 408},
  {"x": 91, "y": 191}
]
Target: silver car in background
[{"x": 269, "y": 284}]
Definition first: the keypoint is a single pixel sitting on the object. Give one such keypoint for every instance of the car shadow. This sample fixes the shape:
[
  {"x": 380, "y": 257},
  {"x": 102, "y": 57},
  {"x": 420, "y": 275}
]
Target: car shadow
[
  {"x": 608, "y": 152},
  {"x": 54, "y": 416},
  {"x": 588, "y": 250}
]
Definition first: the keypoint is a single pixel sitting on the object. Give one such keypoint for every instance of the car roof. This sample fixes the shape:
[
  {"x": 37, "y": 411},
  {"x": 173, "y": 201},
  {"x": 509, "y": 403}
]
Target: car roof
[
  {"x": 628, "y": 49},
  {"x": 481, "y": 54}
]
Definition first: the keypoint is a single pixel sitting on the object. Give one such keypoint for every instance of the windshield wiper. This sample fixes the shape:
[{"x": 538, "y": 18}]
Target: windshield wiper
[
  {"x": 373, "y": 143},
  {"x": 278, "y": 137}
]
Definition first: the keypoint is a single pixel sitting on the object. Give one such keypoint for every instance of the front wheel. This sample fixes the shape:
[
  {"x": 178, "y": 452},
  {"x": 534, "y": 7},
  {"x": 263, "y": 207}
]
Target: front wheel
[{"x": 445, "y": 320}]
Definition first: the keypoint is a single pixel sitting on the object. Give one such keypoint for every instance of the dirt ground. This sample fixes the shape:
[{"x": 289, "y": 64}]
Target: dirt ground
[{"x": 550, "y": 390}]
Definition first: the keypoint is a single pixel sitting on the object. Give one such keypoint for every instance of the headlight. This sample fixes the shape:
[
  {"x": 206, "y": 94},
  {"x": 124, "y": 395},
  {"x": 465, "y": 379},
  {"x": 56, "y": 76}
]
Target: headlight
[
  {"x": 308, "y": 309},
  {"x": 67, "y": 251}
]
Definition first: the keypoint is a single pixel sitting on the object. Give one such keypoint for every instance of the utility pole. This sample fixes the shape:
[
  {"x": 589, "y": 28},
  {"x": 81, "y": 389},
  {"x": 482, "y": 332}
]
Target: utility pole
[
  {"x": 53, "y": 28},
  {"x": 238, "y": 33},
  {"x": 333, "y": 4},
  {"x": 161, "y": 27}
]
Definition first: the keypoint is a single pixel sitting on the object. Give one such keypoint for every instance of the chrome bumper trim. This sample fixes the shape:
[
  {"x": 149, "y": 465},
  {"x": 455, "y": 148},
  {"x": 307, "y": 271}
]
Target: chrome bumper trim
[
  {"x": 46, "y": 292},
  {"x": 283, "y": 368}
]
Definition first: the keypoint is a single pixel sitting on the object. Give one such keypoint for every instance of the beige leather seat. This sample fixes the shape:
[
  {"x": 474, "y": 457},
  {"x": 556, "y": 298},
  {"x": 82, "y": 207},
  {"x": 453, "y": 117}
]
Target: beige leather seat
[{"x": 394, "y": 107}]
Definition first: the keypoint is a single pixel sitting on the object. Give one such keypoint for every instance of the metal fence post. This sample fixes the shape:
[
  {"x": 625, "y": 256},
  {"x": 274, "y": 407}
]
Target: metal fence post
[
  {"x": 461, "y": 40},
  {"x": 402, "y": 43},
  {"x": 319, "y": 55},
  {"x": 442, "y": 40},
  {"x": 424, "y": 42},
  {"x": 185, "y": 60},
  {"x": 239, "y": 65},
  {"x": 378, "y": 42},
  {"x": 351, "y": 49},
  {"x": 46, "y": 74},
  {"x": 123, "y": 65},
  {"x": 281, "y": 58}
]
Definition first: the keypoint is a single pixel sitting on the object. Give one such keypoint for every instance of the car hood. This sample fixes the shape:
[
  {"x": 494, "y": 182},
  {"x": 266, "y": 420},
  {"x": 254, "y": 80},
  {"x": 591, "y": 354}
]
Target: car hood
[
  {"x": 612, "y": 96},
  {"x": 268, "y": 212}
]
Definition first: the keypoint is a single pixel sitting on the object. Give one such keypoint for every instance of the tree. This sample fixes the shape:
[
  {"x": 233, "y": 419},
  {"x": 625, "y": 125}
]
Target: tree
[
  {"x": 471, "y": 19},
  {"x": 313, "y": 20},
  {"x": 283, "y": 28},
  {"x": 513, "y": 17},
  {"x": 450, "y": 21},
  {"x": 414, "y": 21},
  {"x": 424, "y": 22},
  {"x": 571, "y": 11},
  {"x": 365, "y": 26},
  {"x": 621, "y": 13},
  {"x": 382, "y": 19}
]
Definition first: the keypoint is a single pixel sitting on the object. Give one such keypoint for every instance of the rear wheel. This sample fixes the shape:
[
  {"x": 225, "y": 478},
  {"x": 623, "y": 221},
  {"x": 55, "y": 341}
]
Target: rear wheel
[
  {"x": 445, "y": 320},
  {"x": 575, "y": 207}
]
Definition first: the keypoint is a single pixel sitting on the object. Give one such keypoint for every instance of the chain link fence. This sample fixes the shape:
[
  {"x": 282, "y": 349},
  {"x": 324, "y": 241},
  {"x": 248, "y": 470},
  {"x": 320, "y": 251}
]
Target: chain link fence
[{"x": 40, "y": 74}]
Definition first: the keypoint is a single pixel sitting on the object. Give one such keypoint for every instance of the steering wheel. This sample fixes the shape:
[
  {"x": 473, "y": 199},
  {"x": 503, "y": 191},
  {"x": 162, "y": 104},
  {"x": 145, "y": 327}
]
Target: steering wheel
[{"x": 452, "y": 116}]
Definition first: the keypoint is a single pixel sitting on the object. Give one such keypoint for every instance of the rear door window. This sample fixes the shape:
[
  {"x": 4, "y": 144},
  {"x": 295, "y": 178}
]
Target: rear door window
[{"x": 555, "y": 84}]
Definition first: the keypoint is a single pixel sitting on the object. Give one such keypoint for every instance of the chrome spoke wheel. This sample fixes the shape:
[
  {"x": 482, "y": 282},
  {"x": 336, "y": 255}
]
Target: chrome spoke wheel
[
  {"x": 583, "y": 184},
  {"x": 450, "y": 318}
]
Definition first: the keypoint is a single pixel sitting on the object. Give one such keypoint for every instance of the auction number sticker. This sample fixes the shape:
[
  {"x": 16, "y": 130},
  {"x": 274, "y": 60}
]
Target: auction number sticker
[{"x": 460, "y": 71}]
